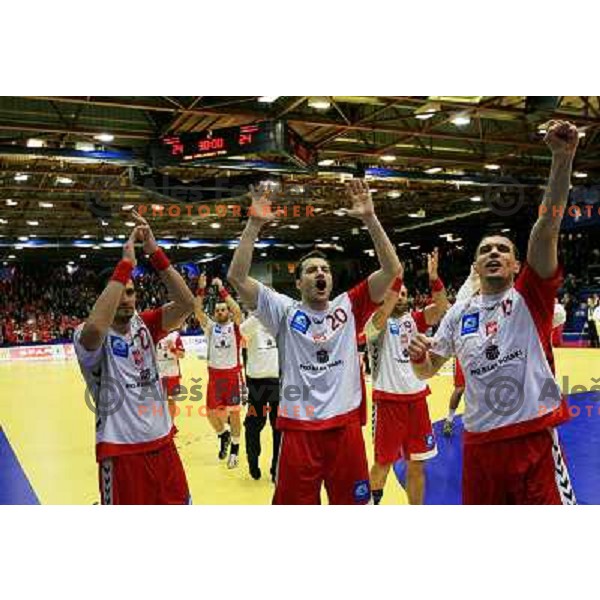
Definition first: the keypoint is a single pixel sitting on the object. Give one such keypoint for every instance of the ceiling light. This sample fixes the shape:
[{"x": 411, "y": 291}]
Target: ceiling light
[
  {"x": 492, "y": 167},
  {"x": 461, "y": 120},
  {"x": 433, "y": 170},
  {"x": 291, "y": 247},
  {"x": 394, "y": 194},
  {"x": 415, "y": 247},
  {"x": 580, "y": 174},
  {"x": 319, "y": 102},
  {"x": 215, "y": 225},
  {"x": 267, "y": 99},
  {"x": 87, "y": 236},
  {"x": 326, "y": 162},
  {"x": 10, "y": 202},
  {"x": 127, "y": 206},
  {"x": 45, "y": 205},
  {"x": 33, "y": 223},
  {"x": 130, "y": 223},
  {"x": 294, "y": 226},
  {"x": 21, "y": 177},
  {"x": 11, "y": 256},
  {"x": 3, "y": 222},
  {"x": 83, "y": 256},
  {"x": 64, "y": 180},
  {"x": 108, "y": 238},
  {"x": 104, "y": 223},
  {"x": 19, "y": 247},
  {"x": 505, "y": 230},
  {"x": 35, "y": 143},
  {"x": 425, "y": 116},
  {"x": 263, "y": 254},
  {"x": 388, "y": 158},
  {"x": 581, "y": 134},
  {"x": 420, "y": 214},
  {"x": 335, "y": 238},
  {"x": 121, "y": 237},
  {"x": 71, "y": 262},
  {"x": 104, "y": 137},
  {"x": 84, "y": 146},
  {"x": 475, "y": 198},
  {"x": 96, "y": 247},
  {"x": 23, "y": 238}
]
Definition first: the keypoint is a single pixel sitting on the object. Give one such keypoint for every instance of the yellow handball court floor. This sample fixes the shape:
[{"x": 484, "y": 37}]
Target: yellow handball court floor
[{"x": 51, "y": 431}]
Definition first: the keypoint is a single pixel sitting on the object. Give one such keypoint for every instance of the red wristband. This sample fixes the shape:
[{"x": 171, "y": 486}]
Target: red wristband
[
  {"x": 200, "y": 292},
  {"x": 159, "y": 260},
  {"x": 397, "y": 285},
  {"x": 419, "y": 361},
  {"x": 122, "y": 272},
  {"x": 223, "y": 293},
  {"x": 437, "y": 285}
]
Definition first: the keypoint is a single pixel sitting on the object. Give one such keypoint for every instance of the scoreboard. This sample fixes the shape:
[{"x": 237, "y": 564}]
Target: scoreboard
[{"x": 267, "y": 137}]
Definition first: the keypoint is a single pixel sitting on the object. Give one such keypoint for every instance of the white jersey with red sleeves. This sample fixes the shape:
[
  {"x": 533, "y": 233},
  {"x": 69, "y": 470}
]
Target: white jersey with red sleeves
[
  {"x": 263, "y": 356},
  {"x": 503, "y": 342},
  {"x": 321, "y": 379},
  {"x": 123, "y": 379},
  {"x": 168, "y": 363},
  {"x": 224, "y": 342},
  {"x": 392, "y": 373}
]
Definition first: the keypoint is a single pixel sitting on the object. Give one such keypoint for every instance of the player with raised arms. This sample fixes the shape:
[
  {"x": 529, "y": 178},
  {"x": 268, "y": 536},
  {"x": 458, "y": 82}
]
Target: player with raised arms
[
  {"x": 502, "y": 338},
  {"x": 322, "y": 400},
  {"x": 116, "y": 350}
]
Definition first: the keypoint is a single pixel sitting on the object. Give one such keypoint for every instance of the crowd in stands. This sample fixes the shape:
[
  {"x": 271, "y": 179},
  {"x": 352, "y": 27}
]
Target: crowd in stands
[{"x": 41, "y": 305}]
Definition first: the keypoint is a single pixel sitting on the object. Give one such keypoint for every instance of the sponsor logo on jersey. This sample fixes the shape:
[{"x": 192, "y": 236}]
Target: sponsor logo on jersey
[
  {"x": 492, "y": 352},
  {"x": 491, "y": 328},
  {"x": 318, "y": 321},
  {"x": 470, "y": 324},
  {"x": 119, "y": 346},
  {"x": 394, "y": 329},
  {"x": 300, "y": 322},
  {"x": 362, "y": 491},
  {"x": 430, "y": 441},
  {"x": 322, "y": 356}
]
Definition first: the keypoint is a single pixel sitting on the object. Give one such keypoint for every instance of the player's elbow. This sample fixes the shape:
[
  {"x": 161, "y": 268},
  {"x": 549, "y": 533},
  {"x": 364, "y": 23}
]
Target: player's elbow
[{"x": 91, "y": 336}]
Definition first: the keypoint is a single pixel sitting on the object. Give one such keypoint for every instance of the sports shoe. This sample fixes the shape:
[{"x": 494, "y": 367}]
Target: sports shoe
[
  {"x": 255, "y": 472},
  {"x": 448, "y": 429},
  {"x": 225, "y": 439},
  {"x": 233, "y": 462}
]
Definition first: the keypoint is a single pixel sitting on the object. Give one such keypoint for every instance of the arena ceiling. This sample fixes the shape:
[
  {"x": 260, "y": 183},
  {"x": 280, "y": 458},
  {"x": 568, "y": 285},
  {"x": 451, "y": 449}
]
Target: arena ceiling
[{"x": 434, "y": 162}]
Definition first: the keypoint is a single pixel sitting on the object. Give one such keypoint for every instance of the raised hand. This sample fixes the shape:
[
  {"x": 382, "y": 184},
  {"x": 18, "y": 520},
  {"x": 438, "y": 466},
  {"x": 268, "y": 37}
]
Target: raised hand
[
  {"x": 146, "y": 236},
  {"x": 202, "y": 282},
  {"x": 357, "y": 191},
  {"x": 562, "y": 138},
  {"x": 129, "y": 246},
  {"x": 262, "y": 201},
  {"x": 432, "y": 264}
]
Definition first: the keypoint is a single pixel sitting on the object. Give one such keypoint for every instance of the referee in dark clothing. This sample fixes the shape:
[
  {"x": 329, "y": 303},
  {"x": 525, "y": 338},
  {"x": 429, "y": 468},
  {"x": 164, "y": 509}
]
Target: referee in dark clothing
[{"x": 262, "y": 379}]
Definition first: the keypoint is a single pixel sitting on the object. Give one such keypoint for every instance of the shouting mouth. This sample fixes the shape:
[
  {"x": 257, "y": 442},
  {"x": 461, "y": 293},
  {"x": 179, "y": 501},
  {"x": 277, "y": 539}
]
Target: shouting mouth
[{"x": 321, "y": 285}]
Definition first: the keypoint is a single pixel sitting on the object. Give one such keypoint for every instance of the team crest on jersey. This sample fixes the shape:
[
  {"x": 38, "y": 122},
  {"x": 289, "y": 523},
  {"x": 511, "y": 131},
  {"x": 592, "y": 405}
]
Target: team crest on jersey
[
  {"x": 138, "y": 357},
  {"x": 470, "y": 324},
  {"x": 394, "y": 329},
  {"x": 362, "y": 491},
  {"x": 430, "y": 441},
  {"x": 322, "y": 356},
  {"x": 119, "y": 346},
  {"x": 300, "y": 322},
  {"x": 491, "y": 328}
]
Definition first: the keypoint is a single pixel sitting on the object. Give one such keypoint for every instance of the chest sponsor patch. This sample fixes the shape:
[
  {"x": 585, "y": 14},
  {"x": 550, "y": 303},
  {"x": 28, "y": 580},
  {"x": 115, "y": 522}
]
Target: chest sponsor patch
[
  {"x": 362, "y": 491},
  {"x": 300, "y": 322},
  {"x": 394, "y": 329},
  {"x": 469, "y": 324},
  {"x": 119, "y": 346}
]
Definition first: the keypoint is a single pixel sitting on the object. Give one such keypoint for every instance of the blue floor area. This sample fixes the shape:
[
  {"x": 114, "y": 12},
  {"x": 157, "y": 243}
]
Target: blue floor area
[
  {"x": 580, "y": 439},
  {"x": 14, "y": 485}
]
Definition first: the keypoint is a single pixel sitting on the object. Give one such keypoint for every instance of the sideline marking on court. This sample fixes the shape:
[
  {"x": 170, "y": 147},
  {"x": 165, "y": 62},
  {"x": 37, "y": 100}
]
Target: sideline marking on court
[{"x": 14, "y": 485}]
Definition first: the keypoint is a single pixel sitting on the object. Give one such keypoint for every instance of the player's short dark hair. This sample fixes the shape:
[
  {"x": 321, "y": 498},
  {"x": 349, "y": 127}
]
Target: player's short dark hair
[
  {"x": 312, "y": 254},
  {"x": 499, "y": 234}
]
